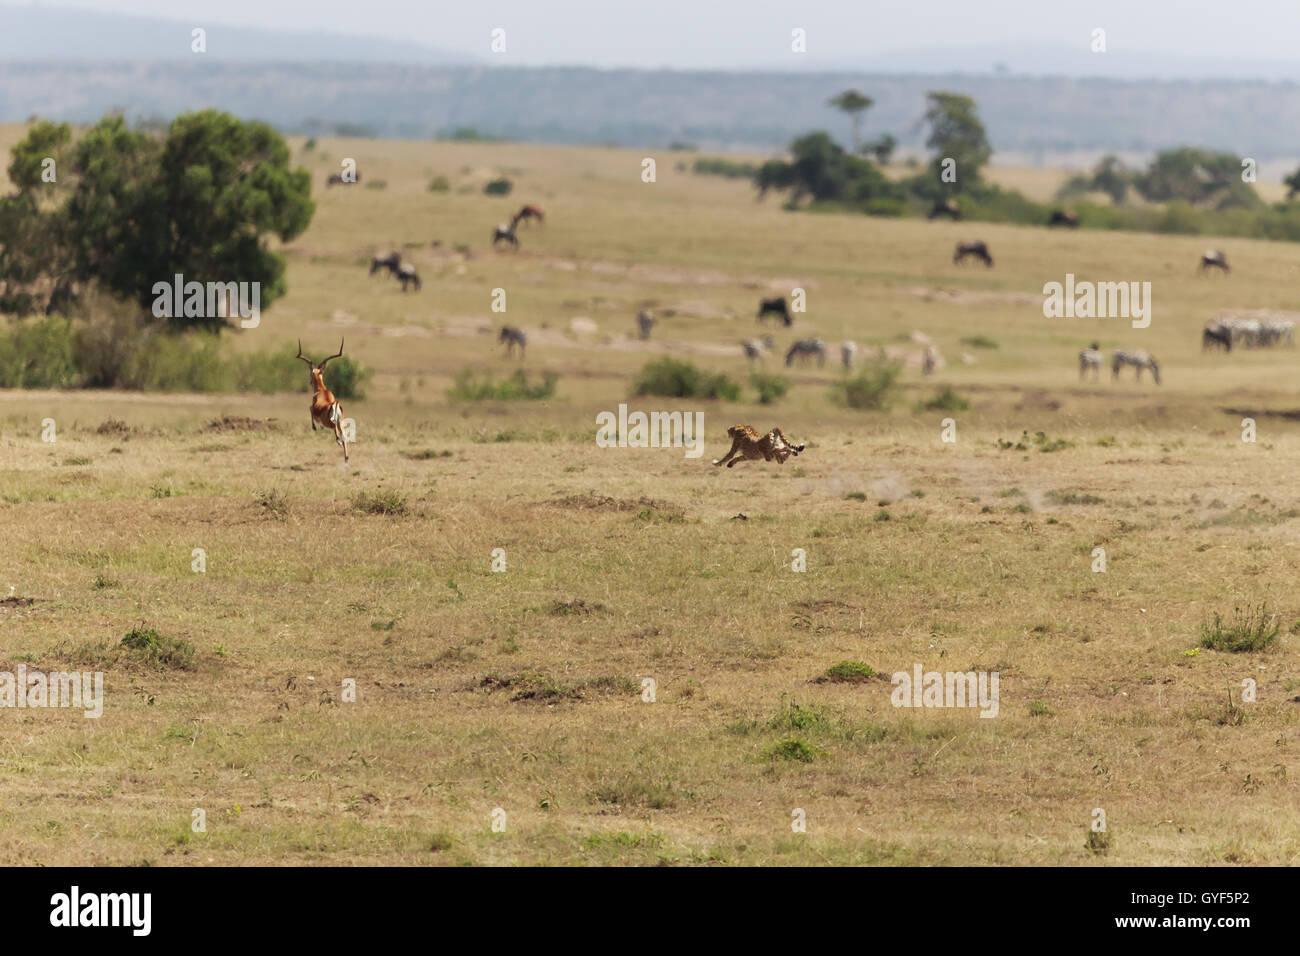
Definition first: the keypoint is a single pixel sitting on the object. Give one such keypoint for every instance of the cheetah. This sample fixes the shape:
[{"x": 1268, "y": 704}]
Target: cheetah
[{"x": 747, "y": 445}]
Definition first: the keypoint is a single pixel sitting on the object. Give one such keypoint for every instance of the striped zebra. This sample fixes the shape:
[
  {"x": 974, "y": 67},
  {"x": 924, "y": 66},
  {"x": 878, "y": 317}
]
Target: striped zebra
[
  {"x": 757, "y": 349},
  {"x": 1138, "y": 359},
  {"x": 806, "y": 349},
  {"x": 1090, "y": 358},
  {"x": 644, "y": 323},
  {"x": 848, "y": 354},
  {"x": 512, "y": 336}
]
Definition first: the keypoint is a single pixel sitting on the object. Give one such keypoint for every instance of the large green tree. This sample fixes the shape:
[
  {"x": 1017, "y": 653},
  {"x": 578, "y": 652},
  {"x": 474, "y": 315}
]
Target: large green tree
[
  {"x": 854, "y": 104},
  {"x": 138, "y": 209},
  {"x": 821, "y": 169},
  {"x": 956, "y": 134}
]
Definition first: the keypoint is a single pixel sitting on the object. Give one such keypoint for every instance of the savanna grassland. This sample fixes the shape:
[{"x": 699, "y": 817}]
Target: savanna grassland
[{"x": 522, "y": 690}]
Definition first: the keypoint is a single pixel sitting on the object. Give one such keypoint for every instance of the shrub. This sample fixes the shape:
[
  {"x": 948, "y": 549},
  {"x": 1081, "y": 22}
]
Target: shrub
[
  {"x": 38, "y": 355},
  {"x": 871, "y": 388},
  {"x": 383, "y": 502},
  {"x": 499, "y": 187},
  {"x": 517, "y": 387},
  {"x": 1250, "y": 629},
  {"x": 850, "y": 672},
  {"x": 147, "y": 645},
  {"x": 439, "y": 184},
  {"x": 671, "y": 378},
  {"x": 770, "y": 388},
  {"x": 947, "y": 401}
]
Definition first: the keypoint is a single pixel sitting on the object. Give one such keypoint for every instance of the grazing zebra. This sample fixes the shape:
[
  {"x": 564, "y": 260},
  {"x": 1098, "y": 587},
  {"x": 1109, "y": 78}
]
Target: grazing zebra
[
  {"x": 945, "y": 207},
  {"x": 407, "y": 274},
  {"x": 1062, "y": 218},
  {"x": 757, "y": 349},
  {"x": 392, "y": 261},
  {"x": 336, "y": 179},
  {"x": 929, "y": 359},
  {"x": 1214, "y": 258},
  {"x": 848, "y": 354},
  {"x": 505, "y": 232},
  {"x": 806, "y": 349},
  {"x": 644, "y": 323},
  {"x": 1138, "y": 359},
  {"x": 1090, "y": 358},
  {"x": 1273, "y": 331},
  {"x": 512, "y": 336},
  {"x": 977, "y": 249},
  {"x": 776, "y": 307}
]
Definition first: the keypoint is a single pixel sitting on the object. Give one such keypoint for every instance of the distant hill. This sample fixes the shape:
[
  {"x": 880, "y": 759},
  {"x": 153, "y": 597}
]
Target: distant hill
[
  {"x": 1036, "y": 117},
  {"x": 46, "y": 33}
]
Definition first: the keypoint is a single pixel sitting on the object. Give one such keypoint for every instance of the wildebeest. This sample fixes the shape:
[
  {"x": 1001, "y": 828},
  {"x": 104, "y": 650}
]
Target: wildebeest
[
  {"x": 1061, "y": 217},
  {"x": 392, "y": 261},
  {"x": 530, "y": 212},
  {"x": 407, "y": 274},
  {"x": 775, "y": 306},
  {"x": 1090, "y": 358},
  {"x": 1216, "y": 335},
  {"x": 1138, "y": 359},
  {"x": 336, "y": 179},
  {"x": 644, "y": 323},
  {"x": 806, "y": 349},
  {"x": 1214, "y": 258},
  {"x": 977, "y": 249},
  {"x": 945, "y": 207},
  {"x": 512, "y": 336},
  {"x": 848, "y": 354}
]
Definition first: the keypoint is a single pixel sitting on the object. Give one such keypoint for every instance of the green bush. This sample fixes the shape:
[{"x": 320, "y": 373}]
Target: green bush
[
  {"x": 770, "y": 388},
  {"x": 38, "y": 354},
  {"x": 947, "y": 401},
  {"x": 871, "y": 388},
  {"x": 671, "y": 378},
  {"x": 724, "y": 167},
  {"x": 499, "y": 187},
  {"x": 439, "y": 184},
  {"x": 518, "y": 387},
  {"x": 1251, "y": 629}
]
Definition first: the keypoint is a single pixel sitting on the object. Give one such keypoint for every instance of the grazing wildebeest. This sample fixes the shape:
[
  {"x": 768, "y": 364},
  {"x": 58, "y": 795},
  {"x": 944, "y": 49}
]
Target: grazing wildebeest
[
  {"x": 336, "y": 179},
  {"x": 945, "y": 207},
  {"x": 1213, "y": 258},
  {"x": 848, "y": 354},
  {"x": 407, "y": 274},
  {"x": 1061, "y": 217},
  {"x": 806, "y": 349},
  {"x": 512, "y": 336},
  {"x": 530, "y": 212},
  {"x": 392, "y": 261},
  {"x": 1216, "y": 336},
  {"x": 977, "y": 249},
  {"x": 1138, "y": 359},
  {"x": 644, "y": 323},
  {"x": 775, "y": 306},
  {"x": 1090, "y": 358}
]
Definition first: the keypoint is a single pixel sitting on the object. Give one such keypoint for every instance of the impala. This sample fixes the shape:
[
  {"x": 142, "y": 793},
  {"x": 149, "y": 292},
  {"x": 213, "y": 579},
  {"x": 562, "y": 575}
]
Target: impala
[{"x": 325, "y": 409}]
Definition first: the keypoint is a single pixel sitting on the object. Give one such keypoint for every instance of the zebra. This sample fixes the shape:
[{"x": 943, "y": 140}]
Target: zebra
[
  {"x": 977, "y": 249},
  {"x": 945, "y": 207},
  {"x": 848, "y": 354},
  {"x": 1090, "y": 358},
  {"x": 807, "y": 348},
  {"x": 407, "y": 274},
  {"x": 512, "y": 336},
  {"x": 1062, "y": 217},
  {"x": 1273, "y": 331},
  {"x": 392, "y": 261},
  {"x": 644, "y": 323},
  {"x": 336, "y": 179},
  {"x": 1138, "y": 359},
  {"x": 757, "y": 349},
  {"x": 929, "y": 359},
  {"x": 777, "y": 307},
  {"x": 1214, "y": 259},
  {"x": 507, "y": 233}
]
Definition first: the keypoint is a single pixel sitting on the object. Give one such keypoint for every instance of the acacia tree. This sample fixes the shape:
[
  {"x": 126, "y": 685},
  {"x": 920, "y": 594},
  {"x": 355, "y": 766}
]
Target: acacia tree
[
  {"x": 854, "y": 104},
  {"x": 956, "y": 134}
]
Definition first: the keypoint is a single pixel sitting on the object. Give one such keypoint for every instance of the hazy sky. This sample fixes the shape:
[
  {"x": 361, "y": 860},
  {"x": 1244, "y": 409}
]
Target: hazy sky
[{"x": 730, "y": 33}]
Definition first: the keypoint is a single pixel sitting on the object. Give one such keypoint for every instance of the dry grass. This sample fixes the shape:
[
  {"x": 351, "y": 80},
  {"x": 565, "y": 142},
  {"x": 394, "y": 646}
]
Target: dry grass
[{"x": 523, "y": 689}]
